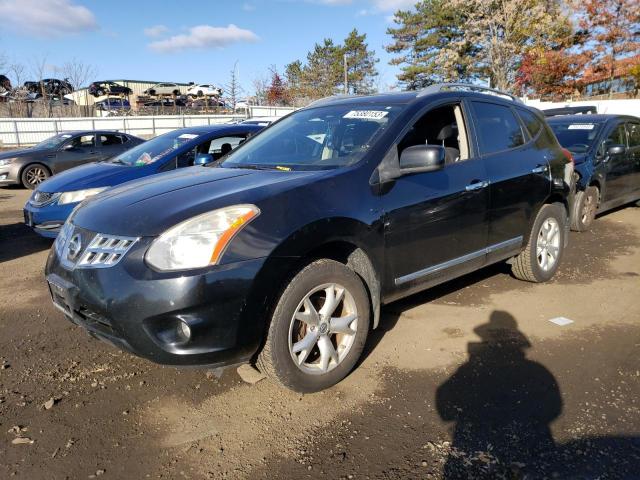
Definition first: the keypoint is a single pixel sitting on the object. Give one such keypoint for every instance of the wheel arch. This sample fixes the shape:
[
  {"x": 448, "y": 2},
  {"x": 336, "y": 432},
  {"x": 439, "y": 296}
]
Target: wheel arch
[{"x": 30, "y": 164}]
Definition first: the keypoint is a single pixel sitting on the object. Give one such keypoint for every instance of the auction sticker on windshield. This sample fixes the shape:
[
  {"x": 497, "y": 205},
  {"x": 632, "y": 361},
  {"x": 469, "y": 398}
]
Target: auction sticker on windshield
[
  {"x": 189, "y": 136},
  {"x": 581, "y": 126},
  {"x": 366, "y": 114}
]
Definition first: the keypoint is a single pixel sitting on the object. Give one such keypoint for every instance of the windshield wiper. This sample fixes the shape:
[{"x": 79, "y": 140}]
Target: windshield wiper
[{"x": 255, "y": 167}]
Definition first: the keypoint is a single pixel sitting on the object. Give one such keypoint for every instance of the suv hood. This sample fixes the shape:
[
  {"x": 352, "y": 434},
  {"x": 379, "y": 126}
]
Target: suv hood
[
  {"x": 92, "y": 175},
  {"x": 149, "y": 206}
]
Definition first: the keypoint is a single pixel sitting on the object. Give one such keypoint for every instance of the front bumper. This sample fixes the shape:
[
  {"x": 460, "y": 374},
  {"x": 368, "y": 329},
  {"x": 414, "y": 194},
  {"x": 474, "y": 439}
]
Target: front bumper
[
  {"x": 48, "y": 219},
  {"x": 9, "y": 175},
  {"x": 135, "y": 308}
]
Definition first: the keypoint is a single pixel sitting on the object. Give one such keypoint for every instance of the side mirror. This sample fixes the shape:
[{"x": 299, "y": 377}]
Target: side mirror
[
  {"x": 203, "y": 159},
  {"x": 616, "y": 149},
  {"x": 422, "y": 158},
  {"x": 68, "y": 146}
]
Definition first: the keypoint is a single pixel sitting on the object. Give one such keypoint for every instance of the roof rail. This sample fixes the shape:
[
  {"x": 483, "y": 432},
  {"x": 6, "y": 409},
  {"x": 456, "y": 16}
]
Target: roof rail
[
  {"x": 327, "y": 100},
  {"x": 466, "y": 87}
]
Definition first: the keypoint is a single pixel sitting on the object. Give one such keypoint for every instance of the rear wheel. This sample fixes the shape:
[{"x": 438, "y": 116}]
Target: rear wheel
[
  {"x": 34, "y": 175},
  {"x": 318, "y": 329},
  {"x": 539, "y": 261},
  {"x": 584, "y": 209}
]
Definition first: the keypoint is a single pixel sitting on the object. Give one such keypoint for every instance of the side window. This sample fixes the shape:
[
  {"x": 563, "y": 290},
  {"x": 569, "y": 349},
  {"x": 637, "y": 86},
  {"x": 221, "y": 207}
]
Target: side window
[
  {"x": 123, "y": 138},
  {"x": 186, "y": 159},
  {"x": 617, "y": 137},
  {"x": 219, "y": 147},
  {"x": 531, "y": 121},
  {"x": 108, "y": 140},
  {"x": 633, "y": 129},
  {"x": 496, "y": 127},
  {"x": 443, "y": 126},
  {"x": 84, "y": 141}
]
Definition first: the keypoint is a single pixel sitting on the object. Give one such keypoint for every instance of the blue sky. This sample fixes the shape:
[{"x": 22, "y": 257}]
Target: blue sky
[{"x": 193, "y": 40}]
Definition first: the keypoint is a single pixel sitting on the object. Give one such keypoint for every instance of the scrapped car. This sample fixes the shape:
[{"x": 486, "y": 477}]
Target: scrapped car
[
  {"x": 52, "y": 202},
  {"x": 51, "y": 86},
  {"x": 113, "y": 103},
  {"x": 205, "y": 90},
  {"x": 163, "y": 89},
  {"x": 30, "y": 167},
  {"x": 283, "y": 253},
  {"x": 606, "y": 151},
  {"x": 107, "y": 87}
]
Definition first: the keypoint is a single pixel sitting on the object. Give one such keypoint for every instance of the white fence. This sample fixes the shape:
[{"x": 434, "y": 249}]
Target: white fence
[
  {"x": 619, "y": 107},
  {"x": 17, "y": 132}
]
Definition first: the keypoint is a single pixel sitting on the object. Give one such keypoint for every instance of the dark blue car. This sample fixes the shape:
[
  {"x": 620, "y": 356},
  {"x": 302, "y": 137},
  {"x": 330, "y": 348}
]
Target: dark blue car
[
  {"x": 53, "y": 200},
  {"x": 606, "y": 150}
]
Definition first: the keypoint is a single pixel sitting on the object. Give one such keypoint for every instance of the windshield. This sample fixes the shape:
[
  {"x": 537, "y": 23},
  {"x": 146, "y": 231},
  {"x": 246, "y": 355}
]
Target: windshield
[
  {"x": 316, "y": 139},
  {"x": 153, "y": 150},
  {"x": 577, "y": 137},
  {"x": 54, "y": 141}
]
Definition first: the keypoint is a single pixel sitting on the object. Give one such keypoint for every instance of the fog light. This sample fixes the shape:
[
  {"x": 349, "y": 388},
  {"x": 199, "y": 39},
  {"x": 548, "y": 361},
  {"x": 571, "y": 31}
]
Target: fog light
[
  {"x": 4, "y": 176},
  {"x": 184, "y": 332}
]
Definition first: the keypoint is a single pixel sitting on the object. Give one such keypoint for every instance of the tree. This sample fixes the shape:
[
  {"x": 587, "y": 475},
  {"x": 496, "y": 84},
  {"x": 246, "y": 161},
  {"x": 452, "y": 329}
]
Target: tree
[
  {"x": 430, "y": 45},
  {"x": 361, "y": 63},
  {"x": 260, "y": 86},
  {"x": 613, "y": 31},
  {"x": 277, "y": 92},
  {"x": 550, "y": 73},
  {"x": 233, "y": 88},
  {"x": 78, "y": 73},
  {"x": 322, "y": 73}
]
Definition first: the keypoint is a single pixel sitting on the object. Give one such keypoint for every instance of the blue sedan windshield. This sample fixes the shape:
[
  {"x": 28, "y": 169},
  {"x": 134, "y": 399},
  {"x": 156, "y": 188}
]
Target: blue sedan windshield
[
  {"x": 153, "y": 150},
  {"x": 577, "y": 137},
  {"x": 316, "y": 139}
]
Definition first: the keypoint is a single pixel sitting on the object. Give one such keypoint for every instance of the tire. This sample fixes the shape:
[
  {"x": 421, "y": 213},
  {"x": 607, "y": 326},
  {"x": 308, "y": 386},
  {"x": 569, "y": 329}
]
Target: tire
[
  {"x": 100, "y": 92},
  {"x": 200, "y": 93},
  {"x": 33, "y": 175},
  {"x": 316, "y": 371},
  {"x": 536, "y": 263},
  {"x": 176, "y": 92},
  {"x": 152, "y": 92},
  {"x": 584, "y": 209}
]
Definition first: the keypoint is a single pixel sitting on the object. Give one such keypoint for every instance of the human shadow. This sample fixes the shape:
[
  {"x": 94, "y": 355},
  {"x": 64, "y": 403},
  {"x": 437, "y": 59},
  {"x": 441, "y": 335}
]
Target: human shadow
[
  {"x": 502, "y": 404},
  {"x": 17, "y": 240}
]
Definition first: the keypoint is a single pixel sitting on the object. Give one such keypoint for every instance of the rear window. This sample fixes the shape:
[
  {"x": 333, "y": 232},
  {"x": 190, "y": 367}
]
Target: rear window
[
  {"x": 497, "y": 128},
  {"x": 577, "y": 137},
  {"x": 531, "y": 121}
]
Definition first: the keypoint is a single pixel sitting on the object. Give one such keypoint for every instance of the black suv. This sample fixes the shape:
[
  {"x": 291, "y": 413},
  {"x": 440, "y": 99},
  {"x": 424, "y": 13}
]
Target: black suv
[
  {"x": 283, "y": 252},
  {"x": 606, "y": 150},
  {"x": 52, "y": 86},
  {"x": 107, "y": 87}
]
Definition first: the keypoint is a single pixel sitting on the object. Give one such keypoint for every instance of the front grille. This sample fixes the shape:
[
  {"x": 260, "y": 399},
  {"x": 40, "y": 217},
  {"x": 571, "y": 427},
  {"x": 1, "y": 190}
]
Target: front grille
[
  {"x": 40, "y": 199},
  {"x": 101, "y": 250}
]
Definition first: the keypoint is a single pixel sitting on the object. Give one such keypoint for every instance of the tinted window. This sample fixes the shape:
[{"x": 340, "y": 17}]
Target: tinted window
[
  {"x": 84, "y": 141},
  {"x": 533, "y": 123},
  {"x": 618, "y": 136},
  {"x": 108, "y": 139},
  {"x": 155, "y": 149},
  {"x": 497, "y": 128},
  {"x": 634, "y": 134},
  {"x": 577, "y": 137}
]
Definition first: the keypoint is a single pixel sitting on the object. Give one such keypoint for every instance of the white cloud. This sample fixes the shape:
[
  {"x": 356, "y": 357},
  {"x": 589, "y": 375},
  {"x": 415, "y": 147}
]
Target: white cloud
[
  {"x": 155, "y": 31},
  {"x": 46, "y": 18},
  {"x": 204, "y": 36},
  {"x": 248, "y": 7}
]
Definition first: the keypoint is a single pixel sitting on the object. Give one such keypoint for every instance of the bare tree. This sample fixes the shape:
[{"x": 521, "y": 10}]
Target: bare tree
[
  {"x": 260, "y": 87},
  {"x": 233, "y": 88},
  {"x": 39, "y": 67},
  {"x": 18, "y": 72},
  {"x": 78, "y": 74}
]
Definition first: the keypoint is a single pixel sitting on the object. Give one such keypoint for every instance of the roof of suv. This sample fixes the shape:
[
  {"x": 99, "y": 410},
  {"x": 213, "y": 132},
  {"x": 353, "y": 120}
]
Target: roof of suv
[
  {"x": 595, "y": 118},
  {"x": 409, "y": 96}
]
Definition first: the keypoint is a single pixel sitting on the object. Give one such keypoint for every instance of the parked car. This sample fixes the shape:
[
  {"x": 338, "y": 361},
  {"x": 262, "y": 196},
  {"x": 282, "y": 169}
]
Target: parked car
[
  {"x": 163, "y": 89},
  {"x": 30, "y": 167},
  {"x": 264, "y": 121},
  {"x": 113, "y": 103},
  {"x": 53, "y": 200},
  {"x": 166, "y": 102},
  {"x": 581, "y": 110},
  {"x": 606, "y": 149},
  {"x": 204, "y": 90},
  {"x": 98, "y": 89},
  {"x": 52, "y": 86},
  {"x": 285, "y": 251}
]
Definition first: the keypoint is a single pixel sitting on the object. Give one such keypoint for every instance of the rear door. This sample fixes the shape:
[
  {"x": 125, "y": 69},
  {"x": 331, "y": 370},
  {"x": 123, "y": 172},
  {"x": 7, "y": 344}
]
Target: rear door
[
  {"x": 78, "y": 150},
  {"x": 517, "y": 169},
  {"x": 111, "y": 144},
  {"x": 618, "y": 166},
  {"x": 633, "y": 134}
]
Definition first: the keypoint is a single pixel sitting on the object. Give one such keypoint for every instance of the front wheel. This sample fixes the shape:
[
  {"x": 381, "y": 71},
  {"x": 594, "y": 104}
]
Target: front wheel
[
  {"x": 539, "y": 261},
  {"x": 584, "y": 209},
  {"x": 34, "y": 175},
  {"x": 318, "y": 329}
]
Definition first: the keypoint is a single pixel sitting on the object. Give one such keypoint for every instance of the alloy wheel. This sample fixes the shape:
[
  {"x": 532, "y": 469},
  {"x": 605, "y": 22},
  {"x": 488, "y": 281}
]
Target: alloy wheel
[
  {"x": 36, "y": 176},
  {"x": 323, "y": 329},
  {"x": 548, "y": 244}
]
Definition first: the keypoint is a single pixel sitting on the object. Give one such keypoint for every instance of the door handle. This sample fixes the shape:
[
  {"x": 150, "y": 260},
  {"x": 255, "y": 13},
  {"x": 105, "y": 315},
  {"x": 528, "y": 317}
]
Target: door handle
[
  {"x": 540, "y": 169},
  {"x": 476, "y": 186}
]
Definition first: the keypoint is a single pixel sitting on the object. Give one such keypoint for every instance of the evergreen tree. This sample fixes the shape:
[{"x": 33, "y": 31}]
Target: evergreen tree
[{"x": 361, "y": 64}]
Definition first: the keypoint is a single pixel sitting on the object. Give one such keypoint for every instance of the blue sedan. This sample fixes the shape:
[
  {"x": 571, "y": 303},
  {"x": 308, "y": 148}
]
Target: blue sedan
[{"x": 53, "y": 200}]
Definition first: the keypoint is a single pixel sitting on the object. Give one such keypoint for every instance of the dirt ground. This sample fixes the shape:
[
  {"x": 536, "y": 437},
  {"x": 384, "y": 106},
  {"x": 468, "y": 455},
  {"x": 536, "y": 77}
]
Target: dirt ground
[{"x": 467, "y": 380}]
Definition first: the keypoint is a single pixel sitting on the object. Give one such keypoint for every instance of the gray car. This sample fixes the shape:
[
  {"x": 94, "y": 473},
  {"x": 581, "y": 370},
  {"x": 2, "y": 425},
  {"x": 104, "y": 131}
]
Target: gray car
[{"x": 32, "y": 166}]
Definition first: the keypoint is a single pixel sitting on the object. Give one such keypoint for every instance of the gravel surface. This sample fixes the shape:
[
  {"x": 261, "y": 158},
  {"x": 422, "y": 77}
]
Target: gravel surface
[{"x": 466, "y": 380}]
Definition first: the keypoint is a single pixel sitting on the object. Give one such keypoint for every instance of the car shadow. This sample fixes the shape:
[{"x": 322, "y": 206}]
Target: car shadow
[{"x": 17, "y": 240}]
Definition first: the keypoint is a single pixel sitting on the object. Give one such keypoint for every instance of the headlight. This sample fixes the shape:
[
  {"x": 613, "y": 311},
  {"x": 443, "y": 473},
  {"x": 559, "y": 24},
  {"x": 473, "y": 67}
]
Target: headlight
[
  {"x": 79, "y": 195},
  {"x": 6, "y": 161},
  {"x": 199, "y": 241}
]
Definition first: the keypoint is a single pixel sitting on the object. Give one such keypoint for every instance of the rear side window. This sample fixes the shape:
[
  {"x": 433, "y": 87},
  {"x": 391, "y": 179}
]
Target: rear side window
[
  {"x": 109, "y": 139},
  {"x": 533, "y": 123},
  {"x": 634, "y": 134},
  {"x": 497, "y": 128}
]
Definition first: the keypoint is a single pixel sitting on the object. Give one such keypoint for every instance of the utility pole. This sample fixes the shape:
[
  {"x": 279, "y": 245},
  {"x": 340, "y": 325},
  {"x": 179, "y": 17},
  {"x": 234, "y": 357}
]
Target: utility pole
[{"x": 346, "y": 86}]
